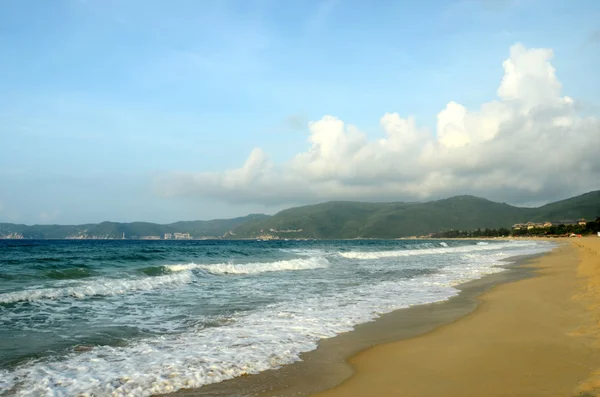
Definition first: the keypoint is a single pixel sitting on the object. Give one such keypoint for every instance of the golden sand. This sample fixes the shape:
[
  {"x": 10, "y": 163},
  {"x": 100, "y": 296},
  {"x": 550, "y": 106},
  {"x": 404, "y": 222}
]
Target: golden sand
[
  {"x": 589, "y": 296},
  {"x": 535, "y": 337}
]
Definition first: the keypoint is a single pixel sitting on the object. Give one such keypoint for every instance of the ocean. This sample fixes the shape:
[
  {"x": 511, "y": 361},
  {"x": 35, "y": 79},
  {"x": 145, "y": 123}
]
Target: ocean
[{"x": 136, "y": 318}]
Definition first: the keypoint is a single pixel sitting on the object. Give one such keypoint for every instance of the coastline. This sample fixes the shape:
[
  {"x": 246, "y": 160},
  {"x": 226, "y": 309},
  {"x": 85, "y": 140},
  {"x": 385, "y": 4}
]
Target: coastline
[
  {"x": 534, "y": 337},
  {"x": 331, "y": 364}
]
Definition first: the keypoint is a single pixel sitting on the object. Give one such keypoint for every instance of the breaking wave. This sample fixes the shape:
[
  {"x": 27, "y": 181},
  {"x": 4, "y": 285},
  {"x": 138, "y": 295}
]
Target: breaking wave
[
  {"x": 254, "y": 268},
  {"x": 97, "y": 287},
  {"x": 426, "y": 251}
]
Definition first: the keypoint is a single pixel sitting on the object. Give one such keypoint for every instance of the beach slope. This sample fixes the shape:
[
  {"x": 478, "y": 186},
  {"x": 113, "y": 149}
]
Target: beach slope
[{"x": 533, "y": 337}]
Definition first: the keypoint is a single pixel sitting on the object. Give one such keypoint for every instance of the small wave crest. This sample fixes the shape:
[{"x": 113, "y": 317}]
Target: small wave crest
[
  {"x": 443, "y": 244},
  {"x": 154, "y": 271},
  {"x": 254, "y": 268},
  {"x": 66, "y": 274},
  {"x": 97, "y": 287},
  {"x": 303, "y": 251},
  {"x": 426, "y": 251}
]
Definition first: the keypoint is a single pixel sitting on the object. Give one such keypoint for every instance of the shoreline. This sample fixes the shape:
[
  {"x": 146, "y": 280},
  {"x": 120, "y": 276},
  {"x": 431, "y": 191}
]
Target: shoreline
[
  {"x": 538, "y": 336},
  {"x": 328, "y": 366}
]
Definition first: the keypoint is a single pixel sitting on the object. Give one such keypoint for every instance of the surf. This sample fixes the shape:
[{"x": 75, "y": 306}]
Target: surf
[{"x": 253, "y": 268}]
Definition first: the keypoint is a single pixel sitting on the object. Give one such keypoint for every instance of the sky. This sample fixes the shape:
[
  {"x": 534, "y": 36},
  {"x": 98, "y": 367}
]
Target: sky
[{"x": 143, "y": 110}]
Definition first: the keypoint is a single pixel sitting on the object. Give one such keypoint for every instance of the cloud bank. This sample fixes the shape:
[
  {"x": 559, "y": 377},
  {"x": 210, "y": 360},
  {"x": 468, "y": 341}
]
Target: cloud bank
[{"x": 528, "y": 145}]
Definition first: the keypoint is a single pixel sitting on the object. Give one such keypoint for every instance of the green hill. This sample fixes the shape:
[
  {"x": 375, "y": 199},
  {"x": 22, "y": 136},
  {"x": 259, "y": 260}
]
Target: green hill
[
  {"x": 584, "y": 206},
  {"x": 42, "y": 231},
  {"x": 129, "y": 230},
  {"x": 391, "y": 220},
  {"x": 116, "y": 230},
  {"x": 215, "y": 227},
  {"x": 339, "y": 219}
]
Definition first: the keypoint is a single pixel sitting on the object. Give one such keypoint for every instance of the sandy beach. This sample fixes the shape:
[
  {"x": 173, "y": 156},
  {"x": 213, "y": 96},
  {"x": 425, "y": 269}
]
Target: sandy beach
[{"x": 535, "y": 337}]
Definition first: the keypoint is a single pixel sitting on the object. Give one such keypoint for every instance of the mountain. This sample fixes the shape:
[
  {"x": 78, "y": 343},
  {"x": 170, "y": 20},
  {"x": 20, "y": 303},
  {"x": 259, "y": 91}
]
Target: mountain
[
  {"x": 338, "y": 219},
  {"x": 215, "y": 227},
  {"x": 116, "y": 230},
  {"x": 584, "y": 206},
  {"x": 391, "y": 220}
]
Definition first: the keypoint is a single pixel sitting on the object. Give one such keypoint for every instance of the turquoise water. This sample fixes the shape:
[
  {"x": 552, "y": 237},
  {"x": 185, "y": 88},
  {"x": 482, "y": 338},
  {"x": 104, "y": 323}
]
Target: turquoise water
[{"x": 141, "y": 317}]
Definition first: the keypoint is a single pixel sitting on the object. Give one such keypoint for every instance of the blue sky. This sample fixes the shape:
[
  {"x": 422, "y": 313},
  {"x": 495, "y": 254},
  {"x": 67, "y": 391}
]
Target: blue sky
[{"x": 98, "y": 99}]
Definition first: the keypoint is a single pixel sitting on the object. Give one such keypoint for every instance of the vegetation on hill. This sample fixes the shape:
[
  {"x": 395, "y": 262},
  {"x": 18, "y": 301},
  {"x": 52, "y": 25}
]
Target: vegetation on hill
[
  {"x": 391, "y": 220},
  {"x": 116, "y": 230},
  {"x": 585, "y": 206},
  {"x": 478, "y": 233},
  {"x": 560, "y": 230},
  {"x": 382, "y": 220},
  {"x": 215, "y": 227},
  {"x": 342, "y": 220}
]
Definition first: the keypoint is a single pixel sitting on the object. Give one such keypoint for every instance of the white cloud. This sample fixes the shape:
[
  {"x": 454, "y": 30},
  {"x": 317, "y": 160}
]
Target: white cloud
[{"x": 529, "y": 144}]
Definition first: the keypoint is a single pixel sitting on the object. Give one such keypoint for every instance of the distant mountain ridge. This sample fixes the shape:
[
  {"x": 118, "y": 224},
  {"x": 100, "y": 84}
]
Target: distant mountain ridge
[
  {"x": 346, "y": 220},
  {"x": 336, "y": 220},
  {"x": 133, "y": 230}
]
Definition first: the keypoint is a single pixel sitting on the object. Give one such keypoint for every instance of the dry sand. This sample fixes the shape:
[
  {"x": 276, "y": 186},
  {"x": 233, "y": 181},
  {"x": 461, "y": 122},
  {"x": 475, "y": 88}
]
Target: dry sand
[
  {"x": 588, "y": 295},
  {"x": 534, "y": 337}
]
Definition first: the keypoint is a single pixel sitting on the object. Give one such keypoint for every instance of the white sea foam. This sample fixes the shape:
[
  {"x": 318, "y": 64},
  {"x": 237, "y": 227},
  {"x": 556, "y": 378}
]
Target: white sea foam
[
  {"x": 97, "y": 287},
  {"x": 263, "y": 339},
  {"x": 254, "y": 268},
  {"x": 426, "y": 251},
  {"x": 443, "y": 244},
  {"x": 304, "y": 251}
]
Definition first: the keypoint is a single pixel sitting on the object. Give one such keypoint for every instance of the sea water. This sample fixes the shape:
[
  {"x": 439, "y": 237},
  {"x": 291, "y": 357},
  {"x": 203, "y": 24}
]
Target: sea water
[{"x": 136, "y": 318}]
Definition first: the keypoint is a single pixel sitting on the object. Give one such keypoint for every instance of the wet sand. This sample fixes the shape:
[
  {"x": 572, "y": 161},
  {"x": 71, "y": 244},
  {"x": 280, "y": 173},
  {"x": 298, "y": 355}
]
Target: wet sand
[
  {"x": 328, "y": 366},
  {"x": 535, "y": 337}
]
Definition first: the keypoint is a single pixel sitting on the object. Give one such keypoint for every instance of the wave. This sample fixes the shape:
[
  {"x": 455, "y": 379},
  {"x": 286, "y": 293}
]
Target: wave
[
  {"x": 163, "y": 277},
  {"x": 254, "y": 268},
  {"x": 426, "y": 251},
  {"x": 97, "y": 287},
  {"x": 443, "y": 244},
  {"x": 6, "y": 276},
  {"x": 192, "y": 359},
  {"x": 303, "y": 251},
  {"x": 70, "y": 273},
  {"x": 154, "y": 271},
  {"x": 240, "y": 344}
]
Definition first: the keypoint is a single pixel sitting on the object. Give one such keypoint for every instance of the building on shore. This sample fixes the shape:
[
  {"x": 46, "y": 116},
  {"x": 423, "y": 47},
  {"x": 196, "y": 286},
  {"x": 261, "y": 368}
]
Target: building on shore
[
  {"x": 548, "y": 224},
  {"x": 13, "y": 236}
]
